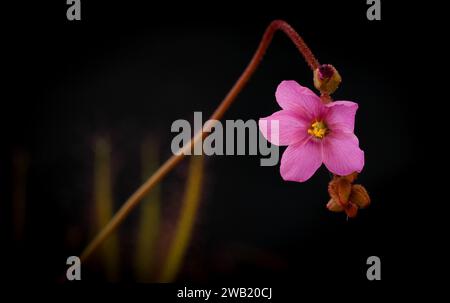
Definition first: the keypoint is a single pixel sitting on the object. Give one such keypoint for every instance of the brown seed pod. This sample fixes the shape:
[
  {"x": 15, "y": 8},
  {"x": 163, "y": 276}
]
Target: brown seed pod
[{"x": 346, "y": 196}]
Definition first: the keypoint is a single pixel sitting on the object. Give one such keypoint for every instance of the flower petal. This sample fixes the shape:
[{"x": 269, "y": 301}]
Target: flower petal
[
  {"x": 283, "y": 128},
  {"x": 341, "y": 115},
  {"x": 292, "y": 96},
  {"x": 301, "y": 160},
  {"x": 341, "y": 153}
]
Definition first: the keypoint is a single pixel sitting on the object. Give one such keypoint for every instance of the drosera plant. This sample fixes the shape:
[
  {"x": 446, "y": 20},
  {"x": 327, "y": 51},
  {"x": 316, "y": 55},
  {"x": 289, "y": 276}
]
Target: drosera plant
[{"x": 316, "y": 130}]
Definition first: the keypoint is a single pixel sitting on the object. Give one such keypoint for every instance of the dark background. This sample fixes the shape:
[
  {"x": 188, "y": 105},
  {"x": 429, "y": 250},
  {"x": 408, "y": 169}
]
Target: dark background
[{"x": 128, "y": 70}]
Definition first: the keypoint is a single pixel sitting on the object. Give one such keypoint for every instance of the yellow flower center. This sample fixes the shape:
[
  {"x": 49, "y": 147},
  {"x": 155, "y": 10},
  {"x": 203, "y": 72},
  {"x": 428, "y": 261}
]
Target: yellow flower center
[{"x": 318, "y": 129}]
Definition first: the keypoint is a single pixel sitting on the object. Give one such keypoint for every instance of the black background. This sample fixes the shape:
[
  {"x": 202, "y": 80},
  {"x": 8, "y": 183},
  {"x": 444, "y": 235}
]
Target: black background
[{"x": 127, "y": 70}]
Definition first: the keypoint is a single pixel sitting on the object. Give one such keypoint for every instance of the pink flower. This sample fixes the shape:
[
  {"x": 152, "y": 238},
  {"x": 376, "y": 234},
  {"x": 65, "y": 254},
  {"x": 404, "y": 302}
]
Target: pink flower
[{"x": 315, "y": 133}]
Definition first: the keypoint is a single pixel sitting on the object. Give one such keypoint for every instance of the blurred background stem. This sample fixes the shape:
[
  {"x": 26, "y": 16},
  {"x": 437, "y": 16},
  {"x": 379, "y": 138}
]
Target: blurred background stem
[
  {"x": 183, "y": 231},
  {"x": 149, "y": 221},
  {"x": 104, "y": 205}
]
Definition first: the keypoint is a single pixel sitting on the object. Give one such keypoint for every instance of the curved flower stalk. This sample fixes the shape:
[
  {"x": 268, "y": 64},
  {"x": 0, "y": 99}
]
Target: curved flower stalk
[{"x": 333, "y": 123}]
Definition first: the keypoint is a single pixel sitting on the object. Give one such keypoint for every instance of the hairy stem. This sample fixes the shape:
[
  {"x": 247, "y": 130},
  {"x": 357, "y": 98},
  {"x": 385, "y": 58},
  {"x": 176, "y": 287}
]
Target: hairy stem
[{"x": 137, "y": 196}]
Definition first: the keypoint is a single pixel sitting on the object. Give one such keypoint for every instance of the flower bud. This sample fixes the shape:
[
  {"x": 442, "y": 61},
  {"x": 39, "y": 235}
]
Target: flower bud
[
  {"x": 359, "y": 196},
  {"x": 326, "y": 78}
]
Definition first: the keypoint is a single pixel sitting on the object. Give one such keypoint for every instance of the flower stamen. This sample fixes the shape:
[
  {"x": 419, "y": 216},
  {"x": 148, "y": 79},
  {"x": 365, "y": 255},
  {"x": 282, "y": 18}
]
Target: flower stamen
[{"x": 318, "y": 129}]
